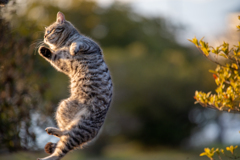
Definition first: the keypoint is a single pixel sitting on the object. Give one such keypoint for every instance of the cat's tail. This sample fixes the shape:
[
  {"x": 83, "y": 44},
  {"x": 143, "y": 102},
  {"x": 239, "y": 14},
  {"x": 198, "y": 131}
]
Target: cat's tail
[{"x": 50, "y": 147}]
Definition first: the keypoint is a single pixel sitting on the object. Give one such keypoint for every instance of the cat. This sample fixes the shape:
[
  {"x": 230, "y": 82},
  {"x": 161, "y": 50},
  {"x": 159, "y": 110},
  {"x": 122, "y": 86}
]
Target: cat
[{"x": 80, "y": 116}]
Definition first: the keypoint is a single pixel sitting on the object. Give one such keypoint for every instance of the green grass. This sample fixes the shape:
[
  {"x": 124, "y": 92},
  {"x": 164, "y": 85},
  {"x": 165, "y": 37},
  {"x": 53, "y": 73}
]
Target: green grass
[{"x": 118, "y": 152}]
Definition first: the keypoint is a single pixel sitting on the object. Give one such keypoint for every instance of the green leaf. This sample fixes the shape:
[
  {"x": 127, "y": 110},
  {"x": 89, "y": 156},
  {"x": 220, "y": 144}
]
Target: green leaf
[
  {"x": 212, "y": 71},
  {"x": 224, "y": 55}
]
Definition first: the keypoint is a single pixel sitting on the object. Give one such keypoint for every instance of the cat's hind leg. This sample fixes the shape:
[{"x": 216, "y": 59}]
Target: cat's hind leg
[
  {"x": 54, "y": 131},
  {"x": 79, "y": 134},
  {"x": 50, "y": 147}
]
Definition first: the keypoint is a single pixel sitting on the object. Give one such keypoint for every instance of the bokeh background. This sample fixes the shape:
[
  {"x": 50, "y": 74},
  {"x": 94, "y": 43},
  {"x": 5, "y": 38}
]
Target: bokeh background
[{"x": 155, "y": 72}]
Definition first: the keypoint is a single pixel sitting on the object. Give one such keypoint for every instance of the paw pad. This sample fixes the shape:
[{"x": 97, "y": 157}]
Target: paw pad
[{"x": 45, "y": 52}]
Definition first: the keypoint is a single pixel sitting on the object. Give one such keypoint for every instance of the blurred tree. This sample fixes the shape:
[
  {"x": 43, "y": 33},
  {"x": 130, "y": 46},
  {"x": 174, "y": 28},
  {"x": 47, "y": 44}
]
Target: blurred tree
[
  {"x": 20, "y": 92},
  {"x": 3, "y": 2},
  {"x": 153, "y": 75}
]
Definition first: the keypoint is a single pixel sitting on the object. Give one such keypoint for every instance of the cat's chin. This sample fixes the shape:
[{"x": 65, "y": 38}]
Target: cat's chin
[{"x": 51, "y": 46}]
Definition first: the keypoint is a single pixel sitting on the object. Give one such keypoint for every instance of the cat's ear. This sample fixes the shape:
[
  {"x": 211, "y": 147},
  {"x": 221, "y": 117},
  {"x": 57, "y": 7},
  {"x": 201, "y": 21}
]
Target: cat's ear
[{"x": 60, "y": 18}]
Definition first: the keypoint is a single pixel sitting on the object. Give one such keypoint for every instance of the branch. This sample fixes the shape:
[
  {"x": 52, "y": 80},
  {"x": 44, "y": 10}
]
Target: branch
[{"x": 235, "y": 110}]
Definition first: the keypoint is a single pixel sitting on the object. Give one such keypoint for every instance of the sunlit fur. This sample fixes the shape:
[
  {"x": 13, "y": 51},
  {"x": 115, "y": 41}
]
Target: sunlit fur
[{"x": 80, "y": 116}]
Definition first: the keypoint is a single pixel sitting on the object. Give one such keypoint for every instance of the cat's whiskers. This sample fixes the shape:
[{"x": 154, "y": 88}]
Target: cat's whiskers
[
  {"x": 36, "y": 41},
  {"x": 37, "y": 44}
]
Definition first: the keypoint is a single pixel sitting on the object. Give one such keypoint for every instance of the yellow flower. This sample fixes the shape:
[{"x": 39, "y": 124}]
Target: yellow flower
[
  {"x": 222, "y": 151},
  {"x": 208, "y": 152},
  {"x": 217, "y": 151},
  {"x": 231, "y": 148}
]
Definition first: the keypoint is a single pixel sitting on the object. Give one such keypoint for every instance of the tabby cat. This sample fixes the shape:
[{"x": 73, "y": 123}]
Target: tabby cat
[{"x": 80, "y": 116}]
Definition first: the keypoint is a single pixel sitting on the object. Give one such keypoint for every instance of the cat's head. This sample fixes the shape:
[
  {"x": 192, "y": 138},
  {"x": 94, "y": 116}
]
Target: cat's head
[{"x": 58, "y": 32}]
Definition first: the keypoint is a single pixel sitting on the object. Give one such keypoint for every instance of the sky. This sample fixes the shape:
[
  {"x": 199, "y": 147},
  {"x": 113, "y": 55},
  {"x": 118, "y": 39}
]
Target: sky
[{"x": 201, "y": 18}]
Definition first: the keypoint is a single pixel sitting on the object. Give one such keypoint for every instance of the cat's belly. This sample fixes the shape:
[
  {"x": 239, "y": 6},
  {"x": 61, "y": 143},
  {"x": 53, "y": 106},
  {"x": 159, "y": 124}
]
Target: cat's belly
[{"x": 66, "y": 112}]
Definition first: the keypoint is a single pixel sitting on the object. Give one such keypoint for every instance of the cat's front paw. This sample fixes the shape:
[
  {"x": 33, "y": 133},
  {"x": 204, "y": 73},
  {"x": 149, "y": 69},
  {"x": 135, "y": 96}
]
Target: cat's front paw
[
  {"x": 75, "y": 48},
  {"x": 43, "y": 51}
]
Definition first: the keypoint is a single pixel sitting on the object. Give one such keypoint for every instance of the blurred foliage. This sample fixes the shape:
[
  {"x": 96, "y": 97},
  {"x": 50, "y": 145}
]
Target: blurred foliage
[
  {"x": 20, "y": 93},
  {"x": 226, "y": 77},
  {"x": 153, "y": 75}
]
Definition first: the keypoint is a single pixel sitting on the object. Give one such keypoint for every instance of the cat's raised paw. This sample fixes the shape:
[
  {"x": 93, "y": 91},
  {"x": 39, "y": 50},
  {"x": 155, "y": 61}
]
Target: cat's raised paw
[{"x": 44, "y": 52}]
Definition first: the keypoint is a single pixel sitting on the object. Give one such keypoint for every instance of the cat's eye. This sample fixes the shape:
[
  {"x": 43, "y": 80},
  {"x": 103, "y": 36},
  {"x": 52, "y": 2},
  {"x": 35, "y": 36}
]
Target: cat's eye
[
  {"x": 48, "y": 31},
  {"x": 58, "y": 29}
]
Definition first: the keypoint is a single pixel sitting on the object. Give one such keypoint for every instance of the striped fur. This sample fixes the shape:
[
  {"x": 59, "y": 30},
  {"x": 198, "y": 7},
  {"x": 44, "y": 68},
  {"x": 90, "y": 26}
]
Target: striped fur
[{"x": 80, "y": 116}]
